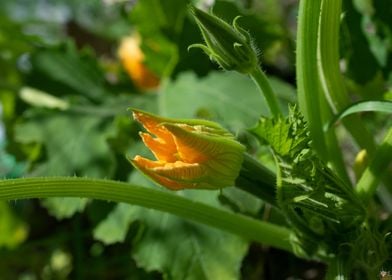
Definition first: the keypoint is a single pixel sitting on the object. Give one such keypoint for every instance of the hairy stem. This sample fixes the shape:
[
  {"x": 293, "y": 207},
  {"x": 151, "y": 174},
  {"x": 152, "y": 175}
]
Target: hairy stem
[
  {"x": 311, "y": 97},
  {"x": 264, "y": 86},
  {"x": 330, "y": 76},
  {"x": 263, "y": 232}
]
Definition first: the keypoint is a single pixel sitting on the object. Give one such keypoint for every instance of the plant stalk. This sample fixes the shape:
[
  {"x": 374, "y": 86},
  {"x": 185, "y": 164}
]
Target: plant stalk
[
  {"x": 251, "y": 229},
  {"x": 311, "y": 97},
  {"x": 265, "y": 88},
  {"x": 330, "y": 75},
  {"x": 339, "y": 268},
  {"x": 257, "y": 180},
  {"x": 307, "y": 72}
]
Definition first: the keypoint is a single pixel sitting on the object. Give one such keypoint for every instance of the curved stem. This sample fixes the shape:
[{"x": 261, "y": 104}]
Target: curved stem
[
  {"x": 307, "y": 72},
  {"x": 330, "y": 75},
  {"x": 251, "y": 229},
  {"x": 264, "y": 86},
  {"x": 311, "y": 97}
]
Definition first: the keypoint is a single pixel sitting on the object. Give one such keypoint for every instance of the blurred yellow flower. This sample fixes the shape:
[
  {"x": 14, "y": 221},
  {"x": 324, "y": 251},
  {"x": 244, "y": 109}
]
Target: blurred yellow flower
[
  {"x": 132, "y": 58},
  {"x": 190, "y": 153}
]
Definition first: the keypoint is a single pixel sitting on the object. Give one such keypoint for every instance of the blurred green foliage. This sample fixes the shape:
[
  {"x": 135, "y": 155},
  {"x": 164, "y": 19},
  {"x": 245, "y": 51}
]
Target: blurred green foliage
[{"x": 66, "y": 52}]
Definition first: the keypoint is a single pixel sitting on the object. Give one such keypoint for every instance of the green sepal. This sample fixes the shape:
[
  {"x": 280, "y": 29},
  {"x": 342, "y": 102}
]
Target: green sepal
[{"x": 229, "y": 45}]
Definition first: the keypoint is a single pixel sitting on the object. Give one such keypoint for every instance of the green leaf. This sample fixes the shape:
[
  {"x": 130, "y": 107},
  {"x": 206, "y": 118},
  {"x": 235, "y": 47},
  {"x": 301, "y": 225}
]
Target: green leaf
[
  {"x": 287, "y": 137},
  {"x": 356, "y": 48},
  {"x": 179, "y": 249},
  {"x": 66, "y": 65},
  {"x": 184, "y": 250},
  {"x": 75, "y": 144},
  {"x": 115, "y": 226},
  {"x": 364, "y": 106},
  {"x": 64, "y": 207},
  {"x": 317, "y": 203},
  {"x": 83, "y": 140},
  {"x": 217, "y": 97},
  {"x": 160, "y": 32},
  {"x": 213, "y": 97}
]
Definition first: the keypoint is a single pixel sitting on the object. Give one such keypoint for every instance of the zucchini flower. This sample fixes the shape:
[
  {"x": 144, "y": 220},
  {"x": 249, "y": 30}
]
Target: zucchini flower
[
  {"x": 229, "y": 45},
  {"x": 189, "y": 153},
  {"x": 132, "y": 59}
]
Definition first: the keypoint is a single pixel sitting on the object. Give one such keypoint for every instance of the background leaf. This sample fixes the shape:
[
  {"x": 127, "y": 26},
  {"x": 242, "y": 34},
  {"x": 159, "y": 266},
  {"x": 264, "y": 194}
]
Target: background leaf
[
  {"x": 180, "y": 249},
  {"x": 74, "y": 145},
  {"x": 226, "y": 97},
  {"x": 76, "y": 70},
  {"x": 364, "y": 106},
  {"x": 13, "y": 231}
]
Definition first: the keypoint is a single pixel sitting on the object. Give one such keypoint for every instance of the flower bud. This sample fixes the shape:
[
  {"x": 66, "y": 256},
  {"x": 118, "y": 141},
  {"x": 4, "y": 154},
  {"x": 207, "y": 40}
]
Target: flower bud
[
  {"x": 360, "y": 163},
  {"x": 189, "y": 153},
  {"x": 230, "y": 46}
]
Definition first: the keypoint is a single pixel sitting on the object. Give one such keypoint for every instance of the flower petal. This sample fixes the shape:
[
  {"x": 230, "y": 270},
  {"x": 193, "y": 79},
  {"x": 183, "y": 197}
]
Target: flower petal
[
  {"x": 195, "y": 147},
  {"x": 181, "y": 171},
  {"x": 153, "y": 125},
  {"x": 161, "y": 150},
  {"x": 150, "y": 169},
  {"x": 191, "y": 153}
]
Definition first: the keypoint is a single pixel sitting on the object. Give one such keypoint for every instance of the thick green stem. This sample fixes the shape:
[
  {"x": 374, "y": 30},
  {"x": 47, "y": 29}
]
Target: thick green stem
[
  {"x": 380, "y": 164},
  {"x": 339, "y": 268},
  {"x": 311, "y": 97},
  {"x": 258, "y": 180},
  {"x": 264, "y": 86},
  {"x": 251, "y": 229},
  {"x": 330, "y": 76},
  {"x": 307, "y": 72}
]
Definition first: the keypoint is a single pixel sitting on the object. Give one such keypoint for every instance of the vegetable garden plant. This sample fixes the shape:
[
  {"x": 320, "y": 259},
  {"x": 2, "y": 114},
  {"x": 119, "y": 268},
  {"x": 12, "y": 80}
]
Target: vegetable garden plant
[{"x": 286, "y": 179}]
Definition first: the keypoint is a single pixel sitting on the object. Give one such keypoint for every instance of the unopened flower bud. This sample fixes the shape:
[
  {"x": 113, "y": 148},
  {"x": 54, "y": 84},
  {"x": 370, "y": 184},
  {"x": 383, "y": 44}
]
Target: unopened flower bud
[
  {"x": 189, "y": 153},
  {"x": 229, "y": 45}
]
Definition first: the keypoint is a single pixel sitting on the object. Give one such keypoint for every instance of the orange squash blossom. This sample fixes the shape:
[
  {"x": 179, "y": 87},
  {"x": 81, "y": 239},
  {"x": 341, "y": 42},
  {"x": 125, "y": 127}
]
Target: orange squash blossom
[
  {"x": 189, "y": 153},
  {"x": 132, "y": 58}
]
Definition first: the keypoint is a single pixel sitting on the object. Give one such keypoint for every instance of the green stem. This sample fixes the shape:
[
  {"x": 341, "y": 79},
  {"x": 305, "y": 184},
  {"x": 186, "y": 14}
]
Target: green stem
[
  {"x": 339, "y": 268},
  {"x": 334, "y": 151},
  {"x": 330, "y": 76},
  {"x": 373, "y": 174},
  {"x": 307, "y": 72},
  {"x": 311, "y": 97},
  {"x": 258, "y": 180},
  {"x": 264, "y": 86},
  {"x": 263, "y": 232}
]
